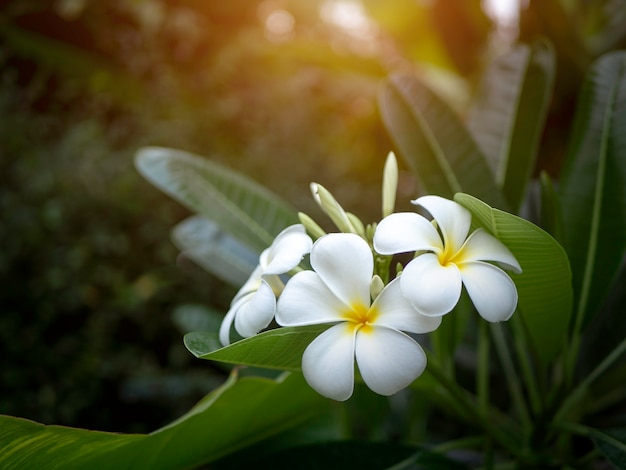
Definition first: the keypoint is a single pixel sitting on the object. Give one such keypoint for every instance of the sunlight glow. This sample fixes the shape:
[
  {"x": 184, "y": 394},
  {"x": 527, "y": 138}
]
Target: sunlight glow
[{"x": 350, "y": 17}]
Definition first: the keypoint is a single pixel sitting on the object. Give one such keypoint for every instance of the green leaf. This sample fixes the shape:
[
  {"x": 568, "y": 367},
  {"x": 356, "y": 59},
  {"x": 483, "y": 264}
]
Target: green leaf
[
  {"x": 238, "y": 414},
  {"x": 222, "y": 255},
  {"x": 434, "y": 143},
  {"x": 348, "y": 454},
  {"x": 238, "y": 205},
  {"x": 509, "y": 112},
  {"x": 280, "y": 348},
  {"x": 593, "y": 195},
  {"x": 550, "y": 216},
  {"x": 544, "y": 287},
  {"x": 612, "y": 444},
  {"x": 95, "y": 73}
]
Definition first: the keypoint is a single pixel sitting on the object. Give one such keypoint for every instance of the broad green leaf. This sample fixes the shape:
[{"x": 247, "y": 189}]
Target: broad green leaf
[
  {"x": 544, "y": 287},
  {"x": 238, "y": 205},
  {"x": 238, "y": 414},
  {"x": 593, "y": 185},
  {"x": 612, "y": 444},
  {"x": 219, "y": 253},
  {"x": 280, "y": 348},
  {"x": 434, "y": 143},
  {"x": 509, "y": 112}
]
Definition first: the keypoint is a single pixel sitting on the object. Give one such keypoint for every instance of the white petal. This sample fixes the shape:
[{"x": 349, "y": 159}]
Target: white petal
[
  {"x": 287, "y": 250},
  {"x": 432, "y": 288},
  {"x": 452, "y": 218},
  {"x": 251, "y": 285},
  {"x": 396, "y": 311},
  {"x": 405, "y": 231},
  {"x": 492, "y": 291},
  {"x": 228, "y": 320},
  {"x": 388, "y": 359},
  {"x": 257, "y": 313},
  {"x": 482, "y": 246},
  {"x": 345, "y": 263},
  {"x": 307, "y": 301},
  {"x": 328, "y": 362}
]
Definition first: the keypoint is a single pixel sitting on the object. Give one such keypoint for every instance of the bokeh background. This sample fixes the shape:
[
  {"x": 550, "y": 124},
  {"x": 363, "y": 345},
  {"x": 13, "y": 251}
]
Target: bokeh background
[{"x": 94, "y": 297}]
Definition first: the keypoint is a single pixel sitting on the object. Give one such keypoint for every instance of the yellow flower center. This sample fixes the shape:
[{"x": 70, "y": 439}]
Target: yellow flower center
[
  {"x": 447, "y": 256},
  {"x": 361, "y": 315}
]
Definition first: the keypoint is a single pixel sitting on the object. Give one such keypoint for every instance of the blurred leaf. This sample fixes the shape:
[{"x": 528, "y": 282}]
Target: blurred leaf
[
  {"x": 509, "y": 112},
  {"x": 280, "y": 348},
  {"x": 604, "y": 24},
  {"x": 593, "y": 184},
  {"x": 93, "y": 71},
  {"x": 606, "y": 329},
  {"x": 544, "y": 287},
  {"x": 193, "y": 317},
  {"x": 204, "y": 242},
  {"x": 434, "y": 143},
  {"x": 350, "y": 454},
  {"x": 241, "y": 207},
  {"x": 239, "y": 413},
  {"x": 613, "y": 445},
  {"x": 550, "y": 212}
]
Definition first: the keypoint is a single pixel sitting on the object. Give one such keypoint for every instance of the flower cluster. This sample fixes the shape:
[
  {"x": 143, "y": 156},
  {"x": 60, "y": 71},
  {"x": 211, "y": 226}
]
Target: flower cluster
[{"x": 370, "y": 319}]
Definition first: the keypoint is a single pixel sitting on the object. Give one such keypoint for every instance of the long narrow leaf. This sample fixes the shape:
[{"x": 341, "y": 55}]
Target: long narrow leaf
[
  {"x": 509, "y": 113},
  {"x": 544, "y": 287},
  {"x": 612, "y": 444},
  {"x": 593, "y": 185},
  {"x": 434, "y": 142},
  {"x": 241, "y": 207},
  {"x": 241, "y": 412}
]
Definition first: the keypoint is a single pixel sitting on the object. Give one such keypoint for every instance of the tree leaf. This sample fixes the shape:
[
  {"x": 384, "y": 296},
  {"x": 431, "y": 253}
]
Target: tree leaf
[
  {"x": 593, "y": 184},
  {"x": 550, "y": 216},
  {"x": 219, "y": 253},
  {"x": 241, "y": 207},
  {"x": 509, "y": 112},
  {"x": 347, "y": 454},
  {"x": 544, "y": 287},
  {"x": 239, "y": 413},
  {"x": 612, "y": 444},
  {"x": 280, "y": 348},
  {"x": 434, "y": 143}
]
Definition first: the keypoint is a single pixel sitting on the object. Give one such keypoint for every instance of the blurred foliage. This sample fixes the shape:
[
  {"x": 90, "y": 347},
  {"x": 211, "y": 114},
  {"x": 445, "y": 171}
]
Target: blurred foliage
[{"x": 94, "y": 300}]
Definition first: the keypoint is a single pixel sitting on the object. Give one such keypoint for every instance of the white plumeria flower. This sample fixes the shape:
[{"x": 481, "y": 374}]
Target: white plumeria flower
[
  {"x": 253, "y": 308},
  {"x": 338, "y": 291},
  {"x": 433, "y": 280}
]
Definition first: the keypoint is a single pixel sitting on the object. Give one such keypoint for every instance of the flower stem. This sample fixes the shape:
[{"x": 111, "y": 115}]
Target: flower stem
[
  {"x": 579, "y": 392},
  {"x": 511, "y": 375},
  {"x": 520, "y": 339},
  {"x": 488, "y": 422},
  {"x": 482, "y": 369}
]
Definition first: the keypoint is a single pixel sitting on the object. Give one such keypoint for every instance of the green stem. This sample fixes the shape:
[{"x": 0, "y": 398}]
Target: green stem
[
  {"x": 472, "y": 442},
  {"x": 520, "y": 339},
  {"x": 579, "y": 392},
  {"x": 482, "y": 369},
  {"x": 506, "y": 440},
  {"x": 511, "y": 375}
]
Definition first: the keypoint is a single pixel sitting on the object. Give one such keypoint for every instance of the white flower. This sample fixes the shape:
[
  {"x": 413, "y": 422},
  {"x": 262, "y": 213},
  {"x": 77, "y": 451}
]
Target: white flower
[
  {"x": 253, "y": 308},
  {"x": 338, "y": 291},
  {"x": 432, "y": 281}
]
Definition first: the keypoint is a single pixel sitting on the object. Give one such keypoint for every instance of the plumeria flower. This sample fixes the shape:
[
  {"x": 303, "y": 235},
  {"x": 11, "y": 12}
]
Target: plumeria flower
[
  {"x": 432, "y": 281},
  {"x": 253, "y": 308},
  {"x": 338, "y": 291}
]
